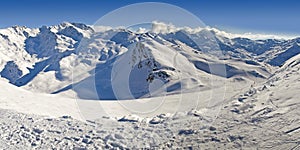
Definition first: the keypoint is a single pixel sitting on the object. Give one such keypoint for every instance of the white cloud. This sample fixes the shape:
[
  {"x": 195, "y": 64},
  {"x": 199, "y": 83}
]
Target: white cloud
[
  {"x": 160, "y": 27},
  {"x": 249, "y": 35},
  {"x": 141, "y": 30},
  {"x": 101, "y": 28}
]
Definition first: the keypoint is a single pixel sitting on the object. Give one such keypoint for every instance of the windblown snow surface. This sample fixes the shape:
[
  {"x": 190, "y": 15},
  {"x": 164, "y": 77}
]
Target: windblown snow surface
[{"x": 61, "y": 87}]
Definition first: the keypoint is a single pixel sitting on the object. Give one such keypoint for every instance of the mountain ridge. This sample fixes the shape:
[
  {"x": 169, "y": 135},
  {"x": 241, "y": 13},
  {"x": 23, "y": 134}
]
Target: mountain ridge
[{"x": 31, "y": 55}]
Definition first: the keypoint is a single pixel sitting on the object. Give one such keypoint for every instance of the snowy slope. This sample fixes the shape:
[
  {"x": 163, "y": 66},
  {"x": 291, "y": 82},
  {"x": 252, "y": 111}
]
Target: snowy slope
[
  {"x": 264, "y": 117},
  {"x": 34, "y": 103},
  {"x": 229, "y": 92},
  {"x": 75, "y": 61},
  {"x": 38, "y": 57}
]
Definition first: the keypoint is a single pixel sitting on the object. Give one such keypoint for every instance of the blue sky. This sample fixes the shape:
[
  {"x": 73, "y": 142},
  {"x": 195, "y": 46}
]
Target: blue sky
[{"x": 258, "y": 16}]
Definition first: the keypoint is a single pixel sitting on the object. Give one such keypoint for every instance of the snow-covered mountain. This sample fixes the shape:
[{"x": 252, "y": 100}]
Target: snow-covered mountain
[
  {"x": 44, "y": 59},
  {"x": 182, "y": 81}
]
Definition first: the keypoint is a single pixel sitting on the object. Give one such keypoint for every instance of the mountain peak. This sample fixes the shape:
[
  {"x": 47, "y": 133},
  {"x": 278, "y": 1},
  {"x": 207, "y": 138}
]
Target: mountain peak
[{"x": 49, "y": 51}]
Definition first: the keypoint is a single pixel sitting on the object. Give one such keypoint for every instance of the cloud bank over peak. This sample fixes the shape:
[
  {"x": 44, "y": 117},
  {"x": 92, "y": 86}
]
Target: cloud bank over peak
[{"x": 161, "y": 27}]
